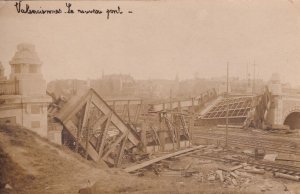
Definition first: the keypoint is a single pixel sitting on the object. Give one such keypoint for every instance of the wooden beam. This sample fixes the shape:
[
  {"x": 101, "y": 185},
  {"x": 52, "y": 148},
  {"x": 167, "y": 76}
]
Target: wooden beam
[
  {"x": 121, "y": 102},
  {"x": 109, "y": 160},
  {"x": 78, "y": 134},
  {"x": 123, "y": 116},
  {"x": 156, "y": 135},
  {"x": 149, "y": 162},
  {"x": 87, "y": 141},
  {"x": 91, "y": 151},
  {"x": 121, "y": 152},
  {"x": 71, "y": 110},
  {"x": 113, "y": 145},
  {"x": 170, "y": 128},
  {"x": 115, "y": 119},
  {"x": 114, "y": 105},
  {"x": 100, "y": 121},
  {"x": 137, "y": 113},
  {"x": 86, "y": 112},
  {"x": 85, "y": 124},
  {"x": 128, "y": 111},
  {"x": 162, "y": 135},
  {"x": 102, "y": 143}
]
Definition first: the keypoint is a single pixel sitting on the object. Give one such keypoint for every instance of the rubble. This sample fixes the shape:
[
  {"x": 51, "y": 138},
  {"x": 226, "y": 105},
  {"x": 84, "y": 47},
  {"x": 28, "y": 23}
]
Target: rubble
[{"x": 147, "y": 163}]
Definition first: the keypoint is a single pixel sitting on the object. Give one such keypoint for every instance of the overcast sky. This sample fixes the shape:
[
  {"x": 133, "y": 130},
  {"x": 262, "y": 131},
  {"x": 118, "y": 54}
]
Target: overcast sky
[{"x": 160, "y": 38}]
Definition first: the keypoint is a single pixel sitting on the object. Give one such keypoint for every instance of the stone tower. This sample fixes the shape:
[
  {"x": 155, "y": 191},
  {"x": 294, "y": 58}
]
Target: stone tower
[
  {"x": 26, "y": 68},
  {"x": 27, "y": 104}
]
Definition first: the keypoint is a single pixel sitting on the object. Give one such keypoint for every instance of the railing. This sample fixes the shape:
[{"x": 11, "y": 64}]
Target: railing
[
  {"x": 197, "y": 101},
  {"x": 9, "y": 87}
]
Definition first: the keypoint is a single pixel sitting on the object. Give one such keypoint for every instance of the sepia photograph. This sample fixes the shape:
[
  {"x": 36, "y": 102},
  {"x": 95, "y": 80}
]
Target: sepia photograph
[{"x": 150, "y": 96}]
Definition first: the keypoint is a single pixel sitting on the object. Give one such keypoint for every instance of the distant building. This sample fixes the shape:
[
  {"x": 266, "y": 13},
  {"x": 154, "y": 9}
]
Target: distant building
[
  {"x": 114, "y": 85},
  {"x": 23, "y": 98}
]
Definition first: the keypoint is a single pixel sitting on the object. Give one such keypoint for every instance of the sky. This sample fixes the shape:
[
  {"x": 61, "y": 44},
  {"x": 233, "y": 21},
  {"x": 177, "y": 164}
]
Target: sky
[{"x": 159, "y": 39}]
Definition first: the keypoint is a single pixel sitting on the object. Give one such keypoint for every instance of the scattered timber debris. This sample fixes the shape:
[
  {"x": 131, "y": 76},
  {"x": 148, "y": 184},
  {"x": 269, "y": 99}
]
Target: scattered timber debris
[
  {"x": 230, "y": 169},
  {"x": 147, "y": 163},
  {"x": 89, "y": 119}
]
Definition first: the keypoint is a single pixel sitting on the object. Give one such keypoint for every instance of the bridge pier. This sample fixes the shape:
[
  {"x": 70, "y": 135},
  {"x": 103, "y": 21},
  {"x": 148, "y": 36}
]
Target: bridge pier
[{"x": 283, "y": 106}]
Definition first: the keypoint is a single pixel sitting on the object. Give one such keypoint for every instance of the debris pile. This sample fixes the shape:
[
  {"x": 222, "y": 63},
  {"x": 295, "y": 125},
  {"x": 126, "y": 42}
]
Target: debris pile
[{"x": 210, "y": 164}]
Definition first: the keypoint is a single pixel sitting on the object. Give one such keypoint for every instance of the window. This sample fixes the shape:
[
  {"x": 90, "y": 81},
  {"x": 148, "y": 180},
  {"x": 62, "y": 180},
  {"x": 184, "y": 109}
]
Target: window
[
  {"x": 35, "y": 109},
  {"x": 32, "y": 69},
  {"x": 35, "y": 124}
]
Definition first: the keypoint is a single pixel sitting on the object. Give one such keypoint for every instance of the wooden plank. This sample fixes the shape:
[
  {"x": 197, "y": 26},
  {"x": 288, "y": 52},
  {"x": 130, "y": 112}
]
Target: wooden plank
[
  {"x": 147, "y": 163},
  {"x": 189, "y": 153},
  {"x": 230, "y": 126}
]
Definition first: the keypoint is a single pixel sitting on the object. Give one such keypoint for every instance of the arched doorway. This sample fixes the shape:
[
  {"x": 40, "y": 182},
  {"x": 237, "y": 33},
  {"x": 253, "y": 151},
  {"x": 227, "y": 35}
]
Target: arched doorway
[{"x": 293, "y": 120}]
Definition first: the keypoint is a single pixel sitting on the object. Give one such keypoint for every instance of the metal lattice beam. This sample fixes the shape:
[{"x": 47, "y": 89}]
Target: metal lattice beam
[{"x": 98, "y": 119}]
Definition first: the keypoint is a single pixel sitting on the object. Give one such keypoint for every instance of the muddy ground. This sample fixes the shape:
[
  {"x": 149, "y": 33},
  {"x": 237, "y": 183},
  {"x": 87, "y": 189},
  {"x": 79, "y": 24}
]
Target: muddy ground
[{"x": 30, "y": 164}]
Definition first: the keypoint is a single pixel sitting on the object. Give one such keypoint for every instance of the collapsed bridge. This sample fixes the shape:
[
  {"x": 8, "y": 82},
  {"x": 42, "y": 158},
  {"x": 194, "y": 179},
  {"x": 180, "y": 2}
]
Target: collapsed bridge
[
  {"x": 112, "y": 129},
  {"x": 91, "y": 122},
  {"x": 243, "y": 110}
]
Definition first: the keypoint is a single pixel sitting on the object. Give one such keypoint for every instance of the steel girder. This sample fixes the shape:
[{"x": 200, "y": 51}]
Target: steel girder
[{"x": 97, "y": 128}]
